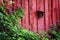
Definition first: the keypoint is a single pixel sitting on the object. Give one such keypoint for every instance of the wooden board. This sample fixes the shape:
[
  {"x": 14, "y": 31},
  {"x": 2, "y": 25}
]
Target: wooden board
[
  {"x": 33, "y": 19},
  {"x": 55, "y": 12},
  {"x": 30, "y": 20},
  {"x": 25, "y": 19},
  {"x": 40, "y": 20}
]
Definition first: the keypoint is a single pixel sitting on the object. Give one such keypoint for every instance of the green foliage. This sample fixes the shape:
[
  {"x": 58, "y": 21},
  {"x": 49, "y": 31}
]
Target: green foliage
[
  {"x": 9, "y": 26},
  {"x": 2, "y": 9},
  {"x": 43, "y": 35},
  {"x": 9, "y": 30},
  {"x": 55, "y": 35},
  {"x": 18, "y": 13}
]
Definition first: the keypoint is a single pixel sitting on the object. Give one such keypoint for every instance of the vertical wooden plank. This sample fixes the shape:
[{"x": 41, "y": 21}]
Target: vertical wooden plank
[
  {"x": 26, "y": 17},
  {"x": 14, "y": 4},
  {"x": 50, "y": 17},
  {"x": 23, "y": 4},
  {"x": 59, "y": 10},
  {"x": 50, "y": 13},
  {"x": 33, "y": 20},
  {"x": 40, "y": 7},
  {"x": 46, "y": 15},
  {"x": 55, "y": 12},
  {"x": 18, "y": 3}
]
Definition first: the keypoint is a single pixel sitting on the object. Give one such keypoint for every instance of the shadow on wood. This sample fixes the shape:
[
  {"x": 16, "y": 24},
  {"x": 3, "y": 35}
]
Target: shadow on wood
[{"x": 40, "y": 14}]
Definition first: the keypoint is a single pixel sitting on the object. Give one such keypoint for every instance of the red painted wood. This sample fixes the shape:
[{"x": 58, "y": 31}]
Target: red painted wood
[
  {"x": 14, "y": 4},
  {"x": 26, "y": 17},
  {"x": 46, "y": 15},
  {"x": 55, "y": 5},
  {"x": 49, "y": 14},
  {"x": 18, "y": 3},
  {"x": 32, "y": 11},
  {"x": 56, "y": 11},
  {"x": 30, "y": 20},
  {"x": 59, "y": 10},
  {"x": 40, "y": 7}
]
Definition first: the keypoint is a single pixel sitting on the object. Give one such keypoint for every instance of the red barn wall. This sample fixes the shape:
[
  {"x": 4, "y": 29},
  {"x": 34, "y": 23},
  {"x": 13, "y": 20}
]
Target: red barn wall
[{"x": 30, "y": 20}]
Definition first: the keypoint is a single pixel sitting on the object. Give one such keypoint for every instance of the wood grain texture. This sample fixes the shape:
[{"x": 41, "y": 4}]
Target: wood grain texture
[
  {"x": 40, "y": 7},
  {"x": 32, "y": 11},
  {"x": 55, "y": 12},
  {"x": 46, "y": 14},
  {"x": 14, "y": 5},
  {"x": 30, "y": 21},
  {"x": 59, "y": 9},
  {"x": 26, "y": 17},
  {"x": 50, "y": 13}
]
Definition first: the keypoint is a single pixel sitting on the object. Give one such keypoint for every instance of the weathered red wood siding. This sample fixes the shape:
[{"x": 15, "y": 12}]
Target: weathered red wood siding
[{"x": 31, "y": 21}]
